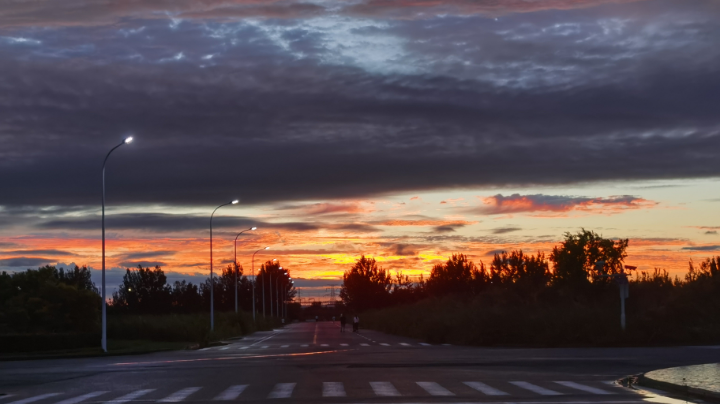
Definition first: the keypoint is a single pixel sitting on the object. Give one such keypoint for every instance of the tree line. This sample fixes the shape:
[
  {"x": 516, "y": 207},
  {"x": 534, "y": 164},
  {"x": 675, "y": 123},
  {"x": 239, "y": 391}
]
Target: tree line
[
  {"x": 581, "y": 266},
  {"x": 57, "y": 300}
]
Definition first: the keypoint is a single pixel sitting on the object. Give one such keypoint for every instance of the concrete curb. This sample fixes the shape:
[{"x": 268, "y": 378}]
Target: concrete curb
[{"x": 644, "y": 380}]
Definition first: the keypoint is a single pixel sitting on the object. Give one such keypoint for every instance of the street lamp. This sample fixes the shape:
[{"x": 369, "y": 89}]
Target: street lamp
[
  {"x": 271, "y": 296},
  {"x": 278, "y": 301},
  {"x": 255, "y": 278},
  {"x": 212, "y": 280},
  {"x": 236, "y": 266},
  {"x": 103, "y": 341}
]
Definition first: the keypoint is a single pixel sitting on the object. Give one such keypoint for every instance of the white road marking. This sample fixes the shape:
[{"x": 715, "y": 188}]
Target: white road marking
[
  {"x": 435, "y": 389},
  {"x": 284, "y": 346},
  {"x": 425, "y": 344},
  {"x": 129, "y": 397},
  {"x": 364, "y": 344},
  {"x": 384, "y": 389},
  {"x": 404, "y": 344},
  {"x": 222, "y": 349},
  {"x": 244, "y": 347},
  {"x": 384, "y": 344},
  {"x": 232, "y": 392},
  {"x": 204, "y": 349},
  {"x": 323, "y": 344},
  {"x": 179, "y": 395},
  {"x": 343, "y": 344},
  {"x": 82, "y": 398},
  {"x": 583, "y": 387},
  {"x": 282, "y": 390},
  {"x": 485, "y": 389},
  {"x": 265, "y": 346},
  {"x": 304, "y": 345},
  {"x": 35, "y": 398},
  {"x": 333, "y": 389},
  {"x": 536, "y": 389}
]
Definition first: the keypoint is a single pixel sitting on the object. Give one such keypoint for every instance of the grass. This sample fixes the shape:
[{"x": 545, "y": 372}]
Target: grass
[
  {"x": 115, "y": 347},
  {"x": 135, "y": 334},
  {"x": 596, "y": 322}
]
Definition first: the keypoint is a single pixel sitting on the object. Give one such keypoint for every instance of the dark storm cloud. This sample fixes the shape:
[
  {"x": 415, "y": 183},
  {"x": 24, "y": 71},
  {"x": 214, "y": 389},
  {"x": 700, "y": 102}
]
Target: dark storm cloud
[
  {"x": 446, "y": 228},
  {"x": 283, "y": 110},
  {"x": 159, "y": 222},
  {"x": 702, "y": 248},
  {"x": 150, "y": 254},
  {"x": 40, "y": 252},
  {"x": 144, "y": 264},
  {"x": 27, "y": 262},
  {"x": 504, "y": 230}
]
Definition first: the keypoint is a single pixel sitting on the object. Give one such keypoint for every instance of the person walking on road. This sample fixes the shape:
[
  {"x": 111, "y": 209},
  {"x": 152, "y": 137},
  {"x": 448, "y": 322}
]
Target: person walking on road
[
  {"x": 356, "y": 323},
  {"x": 342, "y": 322}
]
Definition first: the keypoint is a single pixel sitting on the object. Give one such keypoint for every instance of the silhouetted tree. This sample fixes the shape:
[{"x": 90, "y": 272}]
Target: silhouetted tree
[
  {"x": 48, "y": 300},
  {"x": 143, "y": 290},
  {"x": 574, "y": 260},
  {"x": 365, "y": 286},
  {"x": 457, "y": 276},
  {"x": 185, "y": 297},
  {"x": 280, "y": 292}
]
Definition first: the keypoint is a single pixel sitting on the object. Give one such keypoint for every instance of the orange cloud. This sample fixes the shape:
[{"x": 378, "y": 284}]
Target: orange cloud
[
  {"x": 517, "y": 203},
  {"x": 425, "y": 222}
]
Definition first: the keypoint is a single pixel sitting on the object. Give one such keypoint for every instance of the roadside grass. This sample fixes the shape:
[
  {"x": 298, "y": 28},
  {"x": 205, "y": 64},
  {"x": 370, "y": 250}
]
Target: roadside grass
[
  {"x": 135, "y": 334},
  {"x": 115, "y": 347},
  {"x": 484, "y": 321}
]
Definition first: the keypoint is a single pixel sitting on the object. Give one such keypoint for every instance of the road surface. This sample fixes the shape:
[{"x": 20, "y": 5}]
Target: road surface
[{"x": 316, "y": 363}]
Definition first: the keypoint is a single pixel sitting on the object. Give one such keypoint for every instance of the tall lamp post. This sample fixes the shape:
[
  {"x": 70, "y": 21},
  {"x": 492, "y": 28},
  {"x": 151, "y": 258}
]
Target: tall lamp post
[
  {"x": 254, "y": 279},
  {"x": 103, "y": 341},
  {"x": 236, "y": 266},
  {"x": 212, "y": 280},
  {"x": 277, "y": 293},
  {"x": 271, "y": 296}
]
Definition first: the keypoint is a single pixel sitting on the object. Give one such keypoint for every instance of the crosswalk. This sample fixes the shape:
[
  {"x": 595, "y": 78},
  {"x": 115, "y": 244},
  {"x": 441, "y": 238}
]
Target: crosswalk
[
  {"x": 329, "y": 390},
  {"x": 337, "y": 346}
]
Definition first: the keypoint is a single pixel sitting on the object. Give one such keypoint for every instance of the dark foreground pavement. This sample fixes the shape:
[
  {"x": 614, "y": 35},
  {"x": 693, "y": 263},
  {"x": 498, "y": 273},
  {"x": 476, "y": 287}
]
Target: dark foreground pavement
[{"x": 315, "y": 363}]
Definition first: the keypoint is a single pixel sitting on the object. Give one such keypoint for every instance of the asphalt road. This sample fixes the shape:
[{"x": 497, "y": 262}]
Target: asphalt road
[{"x": 316, "y": 363}]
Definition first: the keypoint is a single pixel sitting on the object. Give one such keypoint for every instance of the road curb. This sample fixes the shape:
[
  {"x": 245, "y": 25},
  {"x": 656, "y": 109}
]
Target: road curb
[{"x": 645, "y": 381}]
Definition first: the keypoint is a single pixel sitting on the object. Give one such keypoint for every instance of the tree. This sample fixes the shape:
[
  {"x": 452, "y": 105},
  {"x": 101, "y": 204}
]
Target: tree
[
  {"x": 47, "y": 300},
  {"x": 457, "y": 276},
  {"x": 520, "y": 269},
  {"x": 575, "y": 259},
  {"x": 270, "y": 271},
  {"x": 365, "y": 286},
  {"x": 185, "y": 297},
  {"x": 144, "y": 290}
]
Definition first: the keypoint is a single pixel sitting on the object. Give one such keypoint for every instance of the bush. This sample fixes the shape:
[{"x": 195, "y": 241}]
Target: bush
[{"x": 191, "y": 328}]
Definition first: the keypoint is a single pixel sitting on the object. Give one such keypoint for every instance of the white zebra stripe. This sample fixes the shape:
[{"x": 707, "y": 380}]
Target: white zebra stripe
[
  {"x": 282, "y": 390},
  {"x": 435, "y": 389},
  {"x": 585, "y": 388},
  {"x": 333, "y": 389},
  {"x": 232, "y": 392},
  {"x": 129, "y": 396},
  {"x": 536, "y": 389},
  {"x": 485, "y": 389},
  {"x": 179, "y": 395},
  {"x": 385, "y": 389},
  {"x": 82, "y": 398}
]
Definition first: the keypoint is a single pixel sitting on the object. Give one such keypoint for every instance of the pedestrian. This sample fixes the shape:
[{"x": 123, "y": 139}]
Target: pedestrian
[
  {"x": 356, "y": 324},
  {"x": 342, "y": 322}
]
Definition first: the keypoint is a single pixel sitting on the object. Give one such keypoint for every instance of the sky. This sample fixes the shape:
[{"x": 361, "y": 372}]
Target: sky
[{"x": 403, "y": 130}]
